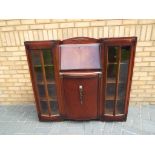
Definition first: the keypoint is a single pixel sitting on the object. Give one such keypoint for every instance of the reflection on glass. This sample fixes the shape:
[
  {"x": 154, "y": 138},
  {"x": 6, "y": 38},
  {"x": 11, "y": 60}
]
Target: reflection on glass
[
  {"x": 121, "y": 90},
  {"x": 47, "y": 57},
  {"x": 36, "y": 58},
  {"x": 44, "y": 107},
  {"x": 49, "y": 70},
  {"x": 123, "y": 72},
  {"x": 125, "y": 54},
  {"x": 38, "y": 72},
  {"x": 41, "y": 90},
  {"x": 111, "y": 89},
  {"x": 54, "y": 107},
  {"x": 37, "y": 65},
  {"x": 112, "y": 67},
  {"x": 109, "y": 106},
  {"x": 52, "y": 90},
  {"x": 112, "y": 54},
  {"x": 120, "y": 106},
  {"x": 112, "y": 71}
]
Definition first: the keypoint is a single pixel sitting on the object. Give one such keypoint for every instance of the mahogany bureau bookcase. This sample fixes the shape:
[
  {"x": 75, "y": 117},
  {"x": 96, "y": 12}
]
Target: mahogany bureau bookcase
[{"x": 82, "y": 78}]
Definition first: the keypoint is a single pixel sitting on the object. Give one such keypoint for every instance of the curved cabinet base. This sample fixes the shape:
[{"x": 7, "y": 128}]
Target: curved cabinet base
[{"x": 43, "y": 118}]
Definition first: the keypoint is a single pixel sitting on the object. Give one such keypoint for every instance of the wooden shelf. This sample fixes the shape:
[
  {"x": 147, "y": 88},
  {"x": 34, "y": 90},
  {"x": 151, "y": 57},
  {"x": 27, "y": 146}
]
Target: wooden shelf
[
  {"x": 114, "y": 63},
  {"x": 112, "y": 98},
  {"x": 113, "y": 81},
  {"x": 51, "y": 82},
  {"x": 44, "y": 65},
  {"x": 106, "y": 114},
  {"x": 110, "y": 112},
  {"x": 48, "y": 82},
  {"x": 48, "y": 65},
  {"x": 50, "y": 99}
]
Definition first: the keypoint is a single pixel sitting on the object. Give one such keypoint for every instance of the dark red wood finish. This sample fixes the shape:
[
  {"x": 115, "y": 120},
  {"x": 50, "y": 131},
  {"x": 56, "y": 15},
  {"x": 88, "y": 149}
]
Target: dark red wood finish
[
  {"x": 80, "y": 66},
  {"x": 93, "y": 79},
  {"x": 37, "y": 46},
  {"x": 80, "y": 40},
  {"x": 75, "y": 108},
  {"x": 80, "y": 56},
  {"x": 106, "y": 42}
]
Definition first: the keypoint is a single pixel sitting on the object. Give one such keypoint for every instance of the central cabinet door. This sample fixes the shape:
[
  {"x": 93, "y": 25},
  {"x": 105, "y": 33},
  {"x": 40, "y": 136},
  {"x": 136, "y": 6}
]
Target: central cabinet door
[{"x": 81, "y": 96}]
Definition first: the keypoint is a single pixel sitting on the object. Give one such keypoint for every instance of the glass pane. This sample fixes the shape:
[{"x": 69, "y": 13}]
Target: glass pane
[
  {"x": 109, "y": 106},
  {"x": 39, "y": 75},
  {"x": 49, "y": 70},
  {"x": 52, "y": 90},
  {"x": 112, "y": 54},
  {"x": 37, "y": 65},
  {"x": 111, "y": 89},
  {"x": 47, "y": 57},
  {"x": 54, "y": 107},
  {"x": 44, "y": 107},
  {"x": 125, "y": 54},
  {"x": 123, "y": 72},
  {"x": 120, "y": 106},
  {"x": 36, "y": 58},
  {"x": 41, "y": 90},
  {"x": 111, "y": 71},
  {"x": 121, "y": 90}
]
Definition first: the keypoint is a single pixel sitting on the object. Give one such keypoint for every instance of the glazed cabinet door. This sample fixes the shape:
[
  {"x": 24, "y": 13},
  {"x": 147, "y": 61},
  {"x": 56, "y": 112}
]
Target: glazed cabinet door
[
  {"x": 118, "y": 64},
  {"x": 42, "y": 67}
]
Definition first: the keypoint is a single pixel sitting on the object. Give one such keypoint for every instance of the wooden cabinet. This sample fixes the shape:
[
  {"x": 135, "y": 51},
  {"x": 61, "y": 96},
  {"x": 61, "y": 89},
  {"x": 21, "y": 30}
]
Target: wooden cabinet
[{"x": 82, "y": 78}]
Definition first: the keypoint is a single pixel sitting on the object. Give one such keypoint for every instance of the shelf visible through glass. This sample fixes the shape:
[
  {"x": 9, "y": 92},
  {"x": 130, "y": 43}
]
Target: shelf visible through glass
[
  {"x": 112, "y": 80},
  {"x": 44, "y": 65},
  {"x": 112, "y": 97},
  {"x": 49, "y": 98},
  {"x": 48, "y": 82}
]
